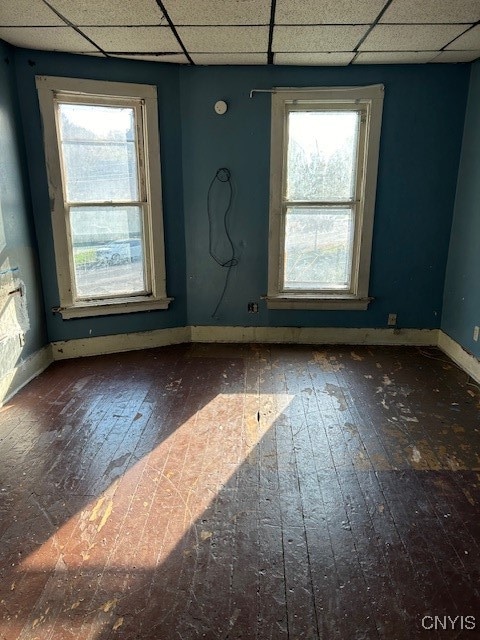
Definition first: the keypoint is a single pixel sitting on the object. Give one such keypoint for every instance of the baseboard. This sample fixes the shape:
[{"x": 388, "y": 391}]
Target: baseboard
[
  {"x": 11, "y": 383},
  {"x": 465, "y": 360},
  {"x": 289, "y": 335},
  {"x": 315, "y": 335},
  {"x": 100, "y": 345},
  {"x": 26, "y": 370}
]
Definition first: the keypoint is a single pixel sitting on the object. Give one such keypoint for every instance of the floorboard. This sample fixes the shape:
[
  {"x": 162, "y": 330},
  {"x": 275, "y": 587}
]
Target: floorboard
[{"x": 236, "y": 491}]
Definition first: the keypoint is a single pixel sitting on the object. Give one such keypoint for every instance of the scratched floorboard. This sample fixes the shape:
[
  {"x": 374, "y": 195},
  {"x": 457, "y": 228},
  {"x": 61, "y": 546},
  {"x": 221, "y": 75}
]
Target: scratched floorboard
[{"x": 254, "y": 492}]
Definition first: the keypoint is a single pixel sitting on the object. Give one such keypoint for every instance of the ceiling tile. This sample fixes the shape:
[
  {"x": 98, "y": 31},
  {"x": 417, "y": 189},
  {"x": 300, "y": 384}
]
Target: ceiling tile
[
  {"x": 327, "y": 11},
  {"x": 230, "y": 58},
  {"x": 24, "y": 13},
  {"x": 457, "y": 56},
  {"x": 221, "y": 39},
  {"x": 394, "y": 57},
  {"x": 317, "y": 59},
  {"x": 46, "y": 38},
  {"x": 469, "y": 40},
  {"x": 179, "y": 58},
  {"x": 431, "y": 11},
  {"x": 218, "y": 12},
  {"x": 412, "y": 37},
  {"x": 126, "y": 39},
  {"x": 341, "y": 38},
  {"x": 92, "y": 12}
]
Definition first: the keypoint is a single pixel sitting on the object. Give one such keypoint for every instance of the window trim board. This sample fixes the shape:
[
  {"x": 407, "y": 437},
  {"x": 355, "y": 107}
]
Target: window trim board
[
  {"x": 357, "y": 297},
  {"x": 49, "y": 88}
]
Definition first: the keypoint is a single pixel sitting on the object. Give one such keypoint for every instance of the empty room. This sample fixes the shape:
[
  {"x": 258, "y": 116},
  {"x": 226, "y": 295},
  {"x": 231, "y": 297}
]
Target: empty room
[{"x": 239, "y": 319}]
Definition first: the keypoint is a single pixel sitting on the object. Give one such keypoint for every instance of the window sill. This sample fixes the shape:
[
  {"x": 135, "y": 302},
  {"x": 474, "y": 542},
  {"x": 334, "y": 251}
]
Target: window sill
[
  {"x": 112, "y": 307},
  {"x": 326, "y": 303}
]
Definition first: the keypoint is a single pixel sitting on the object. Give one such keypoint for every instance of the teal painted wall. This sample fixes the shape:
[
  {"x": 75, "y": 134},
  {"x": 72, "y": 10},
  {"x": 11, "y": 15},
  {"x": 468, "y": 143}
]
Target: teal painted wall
[
  {"x": 19, "y": 315},
  {"x": 166, "y": 78},
  {"x": 420, "y": 149},
  {"x": 461, "y": 311}
]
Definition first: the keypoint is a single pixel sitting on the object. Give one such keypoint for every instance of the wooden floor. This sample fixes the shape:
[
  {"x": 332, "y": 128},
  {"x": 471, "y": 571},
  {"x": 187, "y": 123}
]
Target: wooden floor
[{"x": 251, "y": 492}]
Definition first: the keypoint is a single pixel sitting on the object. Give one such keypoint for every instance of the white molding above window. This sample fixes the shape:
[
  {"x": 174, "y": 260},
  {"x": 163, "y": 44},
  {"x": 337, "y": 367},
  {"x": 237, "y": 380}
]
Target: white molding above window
[
  {"x": 365, "y": 104},
  {"x": 77, "y": 300}
]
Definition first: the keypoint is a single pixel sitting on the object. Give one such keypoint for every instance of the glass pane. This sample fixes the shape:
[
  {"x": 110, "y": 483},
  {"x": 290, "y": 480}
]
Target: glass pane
[
  {"x": 318, "y": 248},
  {"x": 99, "y": 153},
  {"x": 107, "y": 251},
  {"x": 322, "y": 155}
]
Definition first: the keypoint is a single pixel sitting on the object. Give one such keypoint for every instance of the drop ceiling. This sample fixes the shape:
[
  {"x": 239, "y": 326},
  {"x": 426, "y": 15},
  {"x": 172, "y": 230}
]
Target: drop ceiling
[{"x": 290, "y": 32}]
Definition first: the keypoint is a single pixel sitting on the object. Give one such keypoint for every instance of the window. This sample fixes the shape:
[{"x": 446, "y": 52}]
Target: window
[
  {"x": 324, "y": 157},
  {"x": 103, "y": 160}
]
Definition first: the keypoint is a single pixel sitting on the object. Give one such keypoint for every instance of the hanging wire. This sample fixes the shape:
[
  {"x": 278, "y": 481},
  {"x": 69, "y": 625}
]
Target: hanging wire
[{"x": 223, "y": 176}]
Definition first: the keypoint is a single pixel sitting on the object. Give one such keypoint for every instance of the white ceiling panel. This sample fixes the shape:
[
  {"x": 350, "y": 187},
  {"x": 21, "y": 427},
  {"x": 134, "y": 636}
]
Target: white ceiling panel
[
  {"x": 317, "y": 59},
  {"x": 218, "y": 12},
  {"x": 328, "y": 11},
  {"x": 141, "y": 39},
  {"x": 316, "y": 39},
  {"x": 24, "y": 13},
  {"x": 221, "y": 39},
  {"x": 469, "y": 40},
  {"x": 412, "y": 37},
  {"x": 92, "y": 12},
  {"x": 229, "y": 58},
  {"x": 457, "y": 56},
  {"x": 394, "y": 57},
  {"x": 179, "y": 58},
  {"x": 46, "y": 38},
  {"x": 432, "y": 11}
]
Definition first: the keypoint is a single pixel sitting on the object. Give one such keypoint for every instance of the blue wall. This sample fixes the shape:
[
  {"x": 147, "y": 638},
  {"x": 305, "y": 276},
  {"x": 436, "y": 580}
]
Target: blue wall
[
  {"x": 19, "y": 315},
  {"x": 420, "y": 148},
  {"x": 32, "y": 63},
  {"x": 461, "y": 310}
]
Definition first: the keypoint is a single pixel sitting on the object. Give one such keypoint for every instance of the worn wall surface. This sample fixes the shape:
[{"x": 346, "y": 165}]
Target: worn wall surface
[
  {"x": 461, "y": 311},
  {"x": 165, "y": 77},
  {"x": 22, "y": 318},
  {"x": 420, "y": 149},
  {"x": 420, "y": 146}
]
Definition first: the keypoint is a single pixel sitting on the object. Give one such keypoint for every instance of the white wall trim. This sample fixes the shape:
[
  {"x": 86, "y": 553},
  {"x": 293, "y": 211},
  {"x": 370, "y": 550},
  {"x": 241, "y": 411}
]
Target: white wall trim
[
  {"x": 289, "y": 335},
  {"x": 315, "y": 335},
  {"x": 100, "y": 345},
  {"x": 25, "y": 371},
  {"x": 22, "y": 373},
  {"x": 465, "y": 360}
]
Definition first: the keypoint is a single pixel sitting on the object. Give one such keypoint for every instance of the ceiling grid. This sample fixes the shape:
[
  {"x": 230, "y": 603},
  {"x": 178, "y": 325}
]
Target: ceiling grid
[{"x": 282, "y": 32}]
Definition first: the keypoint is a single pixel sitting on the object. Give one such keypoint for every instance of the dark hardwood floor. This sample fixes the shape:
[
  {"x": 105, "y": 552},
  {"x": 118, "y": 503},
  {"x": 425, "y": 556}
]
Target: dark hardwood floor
[{"x": 255, "y": 492}]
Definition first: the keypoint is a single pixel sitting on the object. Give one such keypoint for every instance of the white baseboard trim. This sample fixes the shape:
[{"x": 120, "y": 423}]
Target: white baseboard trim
[
  {"x": 280, "y": 335},
  {"x": 21, "y": 374},
  {"x": 101, "y": 345},
  {"x": 12, "y": 382},
  {"x": 465, "y": 360},
  {"x": 315, "y": 335}
]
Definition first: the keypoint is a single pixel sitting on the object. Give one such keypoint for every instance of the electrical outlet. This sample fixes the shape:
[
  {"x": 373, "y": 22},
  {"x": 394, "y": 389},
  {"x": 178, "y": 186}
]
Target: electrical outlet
[
  {"x": 252, "y": 307},
  {"x": 475, "y": 333},
  {"x": 392, "y": 320}
]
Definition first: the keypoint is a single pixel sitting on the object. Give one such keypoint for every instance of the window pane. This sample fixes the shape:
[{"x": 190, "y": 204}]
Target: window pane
[
  {"x": 99, "y": 153},
  {"x": 322, "y": 155},
  {"x": 318, "y": 248},
  {"x": 107, "y": 251}
]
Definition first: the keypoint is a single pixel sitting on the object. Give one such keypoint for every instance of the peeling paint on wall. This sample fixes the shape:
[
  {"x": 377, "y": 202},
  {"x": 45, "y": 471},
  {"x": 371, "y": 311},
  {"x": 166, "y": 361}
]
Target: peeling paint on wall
[{"x": 14, "y": 318}]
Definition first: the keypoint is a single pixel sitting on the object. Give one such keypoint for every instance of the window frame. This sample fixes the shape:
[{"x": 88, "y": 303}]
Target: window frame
[
  {"x": 369, "y": 101},
  {"x": 53, "y": 90}
]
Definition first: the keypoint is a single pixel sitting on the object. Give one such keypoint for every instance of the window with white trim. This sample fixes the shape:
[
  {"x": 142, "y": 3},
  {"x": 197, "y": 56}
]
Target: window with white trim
[
  {"x": 324, "y": 158},
  {"x": 103, "y": 162}
]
